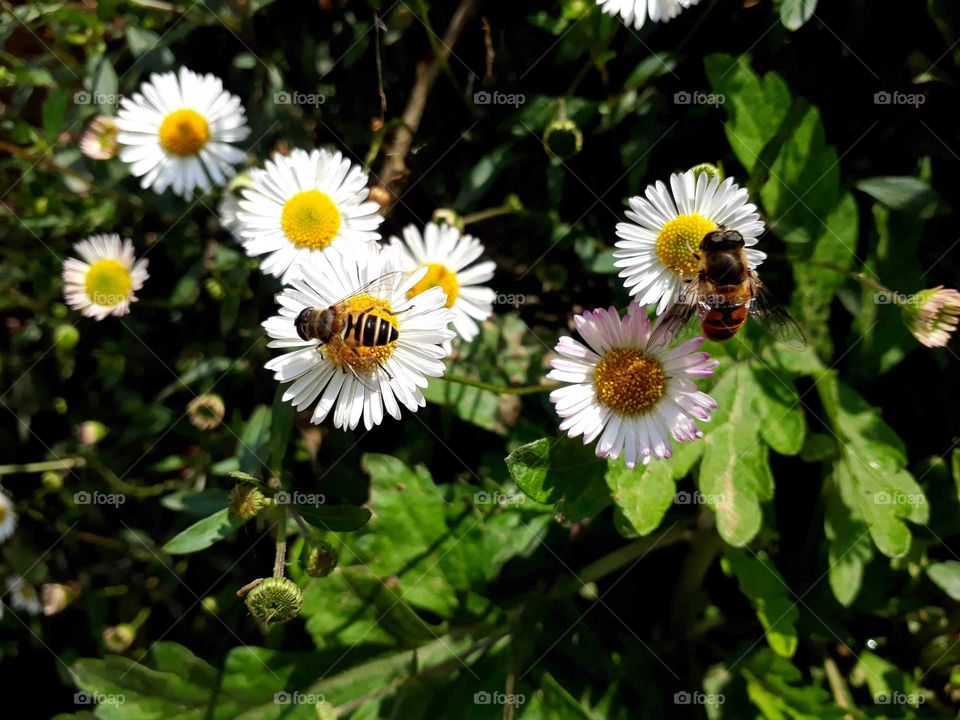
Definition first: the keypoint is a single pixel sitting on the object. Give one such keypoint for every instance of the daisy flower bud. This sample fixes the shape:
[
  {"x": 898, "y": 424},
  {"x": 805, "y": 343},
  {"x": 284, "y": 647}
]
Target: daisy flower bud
[
  {"x": 57, "y": 596},
  {"x": 563, "y": 138},
  {"x": 275, "y": 600},
  {"x": 206, "y": 411},
  {"x": 932, "y": 315},
  {"x": 321, "y": 560},
  {"x": 99, "y": 140},
  {"x": 119, "y": 638},
  {"x": 246, "y": 501}
]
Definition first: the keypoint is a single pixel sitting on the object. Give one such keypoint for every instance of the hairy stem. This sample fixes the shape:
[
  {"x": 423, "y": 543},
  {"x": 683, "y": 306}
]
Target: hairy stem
[{"x": 502, "y": 389}]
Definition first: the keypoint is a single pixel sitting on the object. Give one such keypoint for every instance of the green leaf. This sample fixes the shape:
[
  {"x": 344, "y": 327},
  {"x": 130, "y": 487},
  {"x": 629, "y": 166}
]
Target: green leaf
[
  {"x": 946, "y": 575},
  {"x": 642, "y": 496},
  {"x": 204, "y": 533},
  {"x": 760, "y": 581},
  {"x": 850, "y": 549},
  {"x": 334, "y": 518},
  {"x": 281, "y": 425},
  {"x": 54, "y": 109},
  {"x": 784, "y": 426},
  {"x": 552, "y": 702},
  {"x": 795, "y": 13},
  {"x": 778, "y": 690},
  {"x": 562, "y": 472},
  {"x": 254, "y": 440},
  {"x": 903, "y": 194}
]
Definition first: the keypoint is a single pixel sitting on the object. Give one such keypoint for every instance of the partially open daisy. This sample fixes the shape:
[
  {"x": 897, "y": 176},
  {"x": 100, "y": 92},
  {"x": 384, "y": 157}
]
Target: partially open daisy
[
  {"x": 105, "y": 280},
  {"x": 8, "y": 517},
  {"x": 302, "y": 204},
  {"x": 659, "y": 248},
  {"x": 360, "y": 376},
  {"x": 636, "y": 12},
  {"x": 631, "y": 397},
  {"x": 448, "y": 258},
  {"x": 23, "y": 595},
  {"x": 177, "y": 132}
]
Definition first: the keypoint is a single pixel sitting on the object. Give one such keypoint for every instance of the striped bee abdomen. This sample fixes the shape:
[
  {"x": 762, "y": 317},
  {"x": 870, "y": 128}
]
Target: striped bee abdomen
[
  {"x": 369, "y": 330},
  {"x": 722, "y": 321}
]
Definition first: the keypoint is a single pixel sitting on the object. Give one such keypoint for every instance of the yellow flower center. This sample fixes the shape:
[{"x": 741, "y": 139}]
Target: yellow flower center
[
  {"x": 348, "y": 355},
  {"x": 629, "y": 382},
  {"x": 679, "y": 242},
  {"x": 108, "y": 283},
  {"x": 184, "y": 132},
  {"x": 438, "y": 276},
  {"x": 310, "y": 219}
]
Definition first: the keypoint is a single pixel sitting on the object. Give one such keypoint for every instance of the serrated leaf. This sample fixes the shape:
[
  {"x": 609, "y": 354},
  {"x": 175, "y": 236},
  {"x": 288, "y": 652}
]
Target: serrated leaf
[
  {"x": 642, "y": 496},
  {"x": 204, "y": 533},
  {"x": 776, "y": 608}
]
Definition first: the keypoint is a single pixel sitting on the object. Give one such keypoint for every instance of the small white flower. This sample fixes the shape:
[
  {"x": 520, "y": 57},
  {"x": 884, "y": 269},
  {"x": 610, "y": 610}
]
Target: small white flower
[
  {"x": 301, "y": 204},
  {"x": 631, "y": 397},
  {"x": 360, "y": 381},
  {"x": 178, "y": 132},
  {"x": 8, "y": 517},
  {"x": 105, "y": 280},
  {"x": 659, "y": 246},
  {"x": 636, "y": 12},
  {"x": 23, "y": 595},
  {"x": 932, "y": 315},
  {"x": 99, "y": 140},
  {"x": 448, "y": 257}
]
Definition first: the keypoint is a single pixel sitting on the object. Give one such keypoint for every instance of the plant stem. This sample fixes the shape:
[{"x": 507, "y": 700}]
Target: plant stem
[
  {"x": 44, "y": 466},
  {"x": 502, "y": 389},
  {"x": 860, "y": 277},
  {"x": 280, "y": 560},
  {"x": 487, "y": 214}
]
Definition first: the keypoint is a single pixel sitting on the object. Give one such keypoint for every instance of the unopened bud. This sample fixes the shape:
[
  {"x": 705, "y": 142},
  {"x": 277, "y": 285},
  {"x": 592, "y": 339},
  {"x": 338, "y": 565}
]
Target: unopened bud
[
  {"x": 246, "y": 501},
  {"x": 206, "y": 411},
  {"x": 563, "y": 138},
  {"x": 711, "y": 171},
  {"x": 119, "y": 638},
  {"x": 275, "y": 600},
  {"x": 321, "y": 560}
]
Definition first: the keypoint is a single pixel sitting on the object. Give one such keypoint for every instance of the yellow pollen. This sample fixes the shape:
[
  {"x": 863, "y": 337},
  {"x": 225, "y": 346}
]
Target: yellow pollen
[
  {"x": 108, "y": 283},
  {"x": 679, "y": 241},
  {"x": 438, "y": 276},
  {"x": 629, "y": 382},
  {"x": 363, "y": 359},
  {"x": 310, "y": 220},
  {"x": 184, "y": 132}
]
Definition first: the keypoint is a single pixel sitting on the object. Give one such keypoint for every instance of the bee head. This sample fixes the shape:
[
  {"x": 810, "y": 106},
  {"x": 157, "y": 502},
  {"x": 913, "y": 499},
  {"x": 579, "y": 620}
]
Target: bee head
[
  {"x": 721, "y": 239},
  {"x": 302, "y": 322}
]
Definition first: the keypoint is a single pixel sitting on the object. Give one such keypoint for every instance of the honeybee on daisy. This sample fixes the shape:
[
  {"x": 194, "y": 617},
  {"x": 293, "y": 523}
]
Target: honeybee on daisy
[
  {"x": 628, "y": 396},
  {"x": 636, "y": 12},
  {"x": 360, "y": 345},
  {"x": 302, "y": 204},
  {"x": 106, "y": 278},
  {"x": 179, "y": 132},
  {"x": 450, "y": 259},
  {"x": 658, "y": 249}
]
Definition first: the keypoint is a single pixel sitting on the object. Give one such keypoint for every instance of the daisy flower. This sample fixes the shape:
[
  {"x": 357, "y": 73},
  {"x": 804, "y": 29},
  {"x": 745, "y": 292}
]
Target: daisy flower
[
  {"x": 8, "y": 517},
  {"x": 105, "y": 280},
  {"x": 177, "y": 132},
  {"x": 659, "y": 246},
  {"x": 932, "y": 315},
  {"x": 23, "y": 595},
  {"x": 350, "y": 380},
  {"x": 636, "y": 12},
  {"x": 99, "y": 140},
  {"x": 448, "y": 257},
  {"x": 300, "y": 204},
  {"x": 633, "y": 398}
]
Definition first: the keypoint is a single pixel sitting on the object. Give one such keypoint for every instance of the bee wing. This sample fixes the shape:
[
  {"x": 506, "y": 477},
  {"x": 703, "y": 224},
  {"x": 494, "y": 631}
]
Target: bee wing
[
  {"x": 381, "y": 287},
  {"x": 685, "y": 307},
  {"x": 772, "y": 317}
]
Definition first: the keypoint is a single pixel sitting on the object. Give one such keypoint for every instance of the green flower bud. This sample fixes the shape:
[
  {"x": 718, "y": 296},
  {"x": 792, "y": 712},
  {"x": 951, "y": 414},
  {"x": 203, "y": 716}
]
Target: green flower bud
[
  {"x": 214, "y": 288},
  {"x": 563, "y": 138},
  {"x": 65, "y": 337},
  {"x": 275, "y": 600},
  {"x": 51, "y": 480},
  {"x": 119, "y": 638},
  {"x": 246, "y": 501},
  {"x": 711, "y": 171},
  {"x": 446, "y": 216},
  {"x": 321, "y": 560}
]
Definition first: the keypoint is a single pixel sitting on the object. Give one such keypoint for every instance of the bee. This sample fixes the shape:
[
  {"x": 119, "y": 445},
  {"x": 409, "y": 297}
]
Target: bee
[
  {"x": 723, "y": 293},
  {"x": 346, "y": 332}
]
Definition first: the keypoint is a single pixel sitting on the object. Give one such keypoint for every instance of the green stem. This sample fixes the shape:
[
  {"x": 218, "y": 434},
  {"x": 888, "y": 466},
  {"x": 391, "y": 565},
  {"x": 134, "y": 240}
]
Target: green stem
[
  {"x": 280, "y": 560},
  {"x": 39, "y": 467},
  {"x": 860, "y": 277},
  {"x": 502, "y": 389},
  {"x": 487, "y": 214}
]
